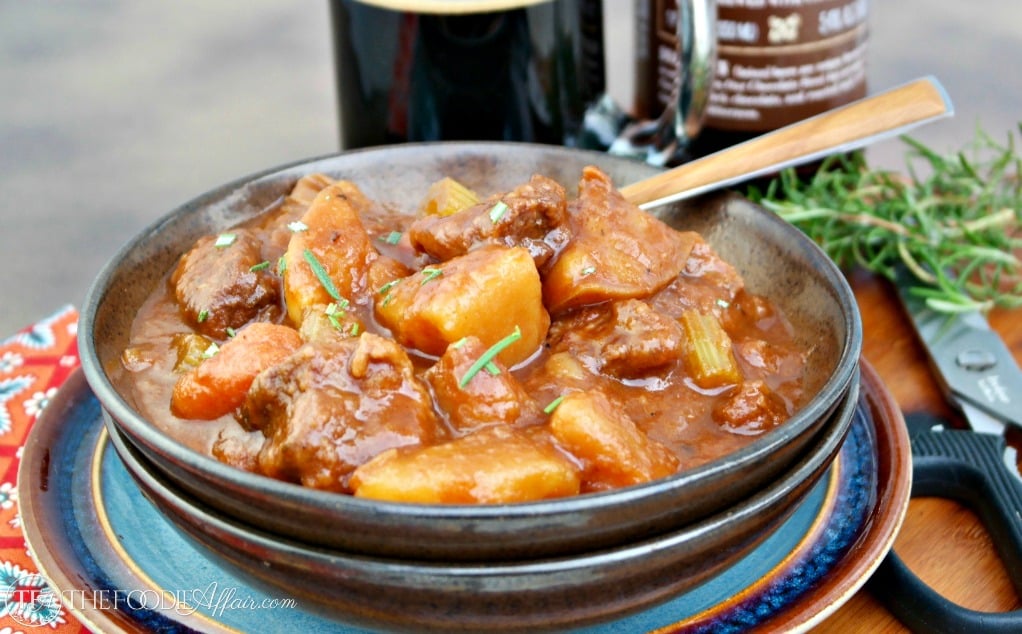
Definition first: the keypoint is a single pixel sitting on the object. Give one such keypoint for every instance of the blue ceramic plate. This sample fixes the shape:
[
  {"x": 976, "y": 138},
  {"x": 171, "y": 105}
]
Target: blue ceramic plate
[{"x": 120, "y": 565}]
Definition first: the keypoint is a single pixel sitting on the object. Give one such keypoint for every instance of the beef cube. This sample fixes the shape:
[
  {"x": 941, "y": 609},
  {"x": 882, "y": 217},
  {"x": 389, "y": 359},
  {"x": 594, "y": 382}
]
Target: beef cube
[
  {"x": 625, "y": 339},
  {"x": 335, "y": 404},
  {"x": 528, "y": 216},
  {"x": 217, "y": 288},
  {"x": 616, "y": 250},
  {"x": 491, "y": 397}
]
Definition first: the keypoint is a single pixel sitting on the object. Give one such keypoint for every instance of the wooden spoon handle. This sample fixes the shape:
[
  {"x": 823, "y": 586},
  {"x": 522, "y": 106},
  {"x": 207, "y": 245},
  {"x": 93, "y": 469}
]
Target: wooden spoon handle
[{"x": 839, "y": 130}]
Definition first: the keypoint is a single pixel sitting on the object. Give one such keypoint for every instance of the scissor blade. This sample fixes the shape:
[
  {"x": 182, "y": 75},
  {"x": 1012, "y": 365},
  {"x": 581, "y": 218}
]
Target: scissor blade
[{"x": 974, "y": 366}]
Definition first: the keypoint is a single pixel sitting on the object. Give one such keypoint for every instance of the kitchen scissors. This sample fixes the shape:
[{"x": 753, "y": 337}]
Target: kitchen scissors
[{"x": 975, "y": 466}]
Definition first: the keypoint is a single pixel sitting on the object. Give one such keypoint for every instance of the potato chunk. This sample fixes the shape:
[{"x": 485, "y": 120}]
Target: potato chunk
[
  {"x": 485, "y": 293},
  {"x": 329, "y": 252},
  {"x": 493, "y": 466},
  {"x": 617, "y": 250},
  {"x": 613, "y": 450}
]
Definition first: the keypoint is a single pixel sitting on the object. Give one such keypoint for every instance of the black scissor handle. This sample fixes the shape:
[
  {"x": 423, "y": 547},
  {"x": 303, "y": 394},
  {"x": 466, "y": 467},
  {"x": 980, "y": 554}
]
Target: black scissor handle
[{"x": 967, "y": 467}]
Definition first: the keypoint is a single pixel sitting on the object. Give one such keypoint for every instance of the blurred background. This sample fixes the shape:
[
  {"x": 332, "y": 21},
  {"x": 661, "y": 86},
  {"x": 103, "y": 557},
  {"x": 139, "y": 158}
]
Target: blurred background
[{"x": 113, "y": 112}]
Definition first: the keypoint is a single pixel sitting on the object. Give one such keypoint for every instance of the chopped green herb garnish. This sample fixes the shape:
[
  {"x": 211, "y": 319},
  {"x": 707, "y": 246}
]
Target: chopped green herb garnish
[
  {"x": 354, "y": 329},
  {"x": 334, "y": 312},
  {"x": 262, "y": 266},
  {"x": 723, "y": 303},
  {"x": 386, "y": 300},
  {"x": 383, "y": 290},
  {"x": 489, "y": 355},
  {"x": 392, "y": 238},
  {"x": 459, "y": 343},
  {"x": 225, "y": 240},
  {"x": 589, "y": 270},
  {"x": 281, "y": 265},
  {"x": 297, "y": 226},
  {"x": 430, "y": 274},
  {"x": 497, "y": 211},
  {"x": 203, "y": 315},
  {"x": 211, "y": 350},
  {"x": 553, "y": 404},
  {"x": 321, "y": 275},
  {"x": 492, "y": 368},
  {"x": 231, "y": 332}
]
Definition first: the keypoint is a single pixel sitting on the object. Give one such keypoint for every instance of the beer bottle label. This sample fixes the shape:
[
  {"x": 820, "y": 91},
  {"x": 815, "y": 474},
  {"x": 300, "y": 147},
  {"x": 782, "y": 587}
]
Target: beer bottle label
[{"x": 780, "y": 61}]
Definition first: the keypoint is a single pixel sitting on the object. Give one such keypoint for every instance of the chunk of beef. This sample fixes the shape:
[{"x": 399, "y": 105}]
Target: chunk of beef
[
  {"x": 750, "y": 409},
  {"x": 625, "y": 339},
  {"x": 216, "y": 287},
  {"x": 335, "y": 404},
  {"x": 616, "y": 250},
  {"x": 707, "y": 284},
  {"x": 533, "y": 216},
  {"x": 238, "y": 448},
  {"x": 488, "y": 398}
]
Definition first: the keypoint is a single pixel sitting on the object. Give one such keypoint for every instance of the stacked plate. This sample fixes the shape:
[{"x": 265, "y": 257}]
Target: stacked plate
[{"x": 551, "y": 563}]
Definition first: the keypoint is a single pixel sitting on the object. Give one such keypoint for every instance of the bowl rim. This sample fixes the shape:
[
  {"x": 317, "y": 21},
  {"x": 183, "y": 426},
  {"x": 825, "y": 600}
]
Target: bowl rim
[{"x": 140, "y": 430}]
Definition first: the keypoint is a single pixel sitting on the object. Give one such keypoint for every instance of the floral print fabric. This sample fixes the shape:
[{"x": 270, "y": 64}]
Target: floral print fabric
[{"x": 33, "y": 364}]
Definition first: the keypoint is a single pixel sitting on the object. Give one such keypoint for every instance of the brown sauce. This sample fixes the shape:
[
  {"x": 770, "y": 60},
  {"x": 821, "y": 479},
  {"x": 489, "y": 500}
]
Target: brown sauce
[{"x": 375, "y": 379}]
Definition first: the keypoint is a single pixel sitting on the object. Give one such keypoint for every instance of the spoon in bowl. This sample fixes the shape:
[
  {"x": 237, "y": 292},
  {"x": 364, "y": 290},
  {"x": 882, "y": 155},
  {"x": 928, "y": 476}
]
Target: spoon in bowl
[{"x": 842, "y": 129}]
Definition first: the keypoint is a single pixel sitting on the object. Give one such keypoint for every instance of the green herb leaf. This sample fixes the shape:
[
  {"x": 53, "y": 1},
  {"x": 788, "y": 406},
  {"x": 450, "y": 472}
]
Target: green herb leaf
[
  {"x": 497, "y": 211},
  {"x": 489, "y": 355},
  {"x": 225, "y": 240},
  {"x": 589, "y": 270},
  {"x": 210, "y": 351},
  {"x": 955, "y": 222},
  {"x": 203, "y": 315},
  {"x": 281, "y": 264},
  {"x": 334, "y": 313},
  {"x": 383, "y": 290},
  {"x": 262, "y": 266},
  {"x": 321, "y": 275},
  {"x": 553, "y": 405},
  {"x": 391, "y": 238},
  {"x": 430, "y": 274},
  {"x": 231, "y": 333},
  {"x": 297, "y": 226}
]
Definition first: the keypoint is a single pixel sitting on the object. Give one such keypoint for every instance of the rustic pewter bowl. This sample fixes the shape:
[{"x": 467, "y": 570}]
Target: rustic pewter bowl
[
  {"x": 525, "y": 595},
  {"x": 776, "y": 260}
]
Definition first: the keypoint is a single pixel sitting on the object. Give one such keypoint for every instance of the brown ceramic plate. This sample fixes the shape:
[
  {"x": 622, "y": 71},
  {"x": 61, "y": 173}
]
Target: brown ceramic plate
[
  {"x": 94, "y": 534},
  {"x": 776, "y": 260}
]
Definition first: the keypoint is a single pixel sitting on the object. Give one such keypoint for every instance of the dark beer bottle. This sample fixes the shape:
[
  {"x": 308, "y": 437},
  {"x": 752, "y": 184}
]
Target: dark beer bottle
[{"x": 781, "y": 61}]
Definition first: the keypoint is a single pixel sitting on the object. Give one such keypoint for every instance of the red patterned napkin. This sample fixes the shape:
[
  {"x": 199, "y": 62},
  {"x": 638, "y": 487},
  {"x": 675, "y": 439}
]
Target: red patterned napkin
[{"x": 33, "y": 364}]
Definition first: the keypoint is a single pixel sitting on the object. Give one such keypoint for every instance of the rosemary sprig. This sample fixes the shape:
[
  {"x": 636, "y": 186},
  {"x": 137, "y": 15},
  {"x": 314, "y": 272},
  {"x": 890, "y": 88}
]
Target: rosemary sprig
[{"x": 954, "y": 221}]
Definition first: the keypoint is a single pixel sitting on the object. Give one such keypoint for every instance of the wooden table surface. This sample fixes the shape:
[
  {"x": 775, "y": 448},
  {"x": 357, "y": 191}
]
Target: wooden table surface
[{"x": 943, "y": 542}]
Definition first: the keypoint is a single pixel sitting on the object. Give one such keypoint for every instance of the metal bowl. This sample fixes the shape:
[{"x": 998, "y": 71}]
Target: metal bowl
[
  {"x": 775, "y": 259},
  {"x": 549, "y": 593}
]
